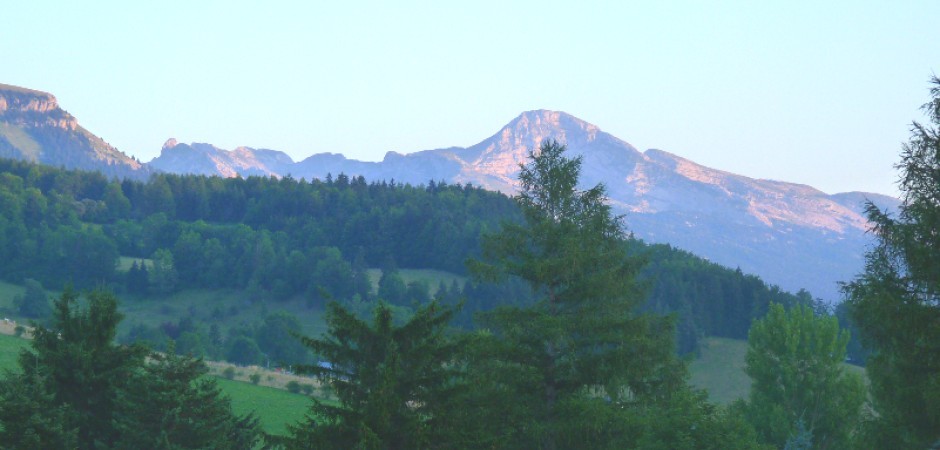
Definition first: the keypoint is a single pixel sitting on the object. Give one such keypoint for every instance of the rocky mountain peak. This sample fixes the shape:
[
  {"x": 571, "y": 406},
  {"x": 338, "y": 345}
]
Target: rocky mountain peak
[
  {"x": 170, "y": 143},
  {"x": 531, "y": 128},
  {"x": 36, "y": 129}
]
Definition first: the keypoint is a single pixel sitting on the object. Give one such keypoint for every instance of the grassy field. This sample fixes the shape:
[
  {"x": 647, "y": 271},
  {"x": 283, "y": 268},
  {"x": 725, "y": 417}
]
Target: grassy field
[
  {"x": 21, "y": 140},
  {"x": 9, "y": 350},
  {"x": 229, "y": 308},
  {"x": 274, "y": 407},
  {"x": 720, "y": 370}
]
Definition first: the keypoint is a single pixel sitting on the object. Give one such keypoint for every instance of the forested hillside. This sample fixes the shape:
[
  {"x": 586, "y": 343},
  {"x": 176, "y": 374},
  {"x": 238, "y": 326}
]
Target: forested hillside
[{"x": 284, "y": 240}]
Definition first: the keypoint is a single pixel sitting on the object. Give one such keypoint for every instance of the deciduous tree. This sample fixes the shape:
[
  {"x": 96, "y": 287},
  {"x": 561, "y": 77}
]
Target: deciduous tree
[{"x": 795, "y": 361}]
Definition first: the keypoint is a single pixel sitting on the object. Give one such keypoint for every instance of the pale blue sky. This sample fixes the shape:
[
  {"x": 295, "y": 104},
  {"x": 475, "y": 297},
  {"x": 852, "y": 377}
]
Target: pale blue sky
[{"x": 816, "y": 92}]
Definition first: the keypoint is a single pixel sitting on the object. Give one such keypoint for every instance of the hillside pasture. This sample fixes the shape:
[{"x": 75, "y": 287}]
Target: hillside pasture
[{"x": 720, "y": 370}]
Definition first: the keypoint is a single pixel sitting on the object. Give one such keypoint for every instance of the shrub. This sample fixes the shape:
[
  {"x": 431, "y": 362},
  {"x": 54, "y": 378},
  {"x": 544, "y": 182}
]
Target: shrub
[
  {"x": 229, "y": 372},
  {"x": 255, "y": 378},
  {"x": 307, "y": 388},
  {"x": 293, "y": 387}
]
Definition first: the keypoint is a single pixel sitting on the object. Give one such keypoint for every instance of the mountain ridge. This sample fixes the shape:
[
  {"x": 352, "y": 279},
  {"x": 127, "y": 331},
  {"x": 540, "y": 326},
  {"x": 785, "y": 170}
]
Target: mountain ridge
[
  {"x": 792, "y": 235},
  {"x": 755, "y": 224}
]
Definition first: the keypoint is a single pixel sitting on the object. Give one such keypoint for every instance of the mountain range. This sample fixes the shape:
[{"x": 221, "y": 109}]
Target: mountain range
[{"x": 790, "y": 234}]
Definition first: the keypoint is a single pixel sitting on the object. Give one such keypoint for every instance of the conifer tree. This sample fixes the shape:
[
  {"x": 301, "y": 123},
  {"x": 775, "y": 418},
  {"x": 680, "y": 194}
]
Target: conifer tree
[
  {"x": 77, "y": 363},
  {"x": 583, "y": 350},
  {"x": 172, "y": 404},
  {"x": 391, "y": 381},
  {"x": 896, "y": 301},
  {"x": 30, "y": 417}
]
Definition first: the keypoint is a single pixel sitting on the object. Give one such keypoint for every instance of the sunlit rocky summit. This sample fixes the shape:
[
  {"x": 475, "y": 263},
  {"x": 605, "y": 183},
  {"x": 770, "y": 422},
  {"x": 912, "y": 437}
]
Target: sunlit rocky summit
[{"x": 792, "y": 235}]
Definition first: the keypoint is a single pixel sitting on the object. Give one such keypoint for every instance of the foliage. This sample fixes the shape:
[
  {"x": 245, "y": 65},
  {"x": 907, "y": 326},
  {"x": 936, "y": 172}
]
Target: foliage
[
  {"x": 584, "y": 339},
  {"x": 275, "y": 337},
  {"x": 283, "y": 239},
  {"x": 30, "y": 418},
  {"x": 708, "y": 299},
  {"x": 76, "y": 389},
  {"x": 896, "y": 301},
  {"x": 163, "y": 277},
  {"x": 76, "y": 361},
  {"x": 171, "y": 404},
  {"x": 293, "y": 387},
  {"x": 244, "y": 351},
  {"x": 795, "y": 361},
  {"x": 390, "y": 381},
  {"x": 34, "y": 303}
]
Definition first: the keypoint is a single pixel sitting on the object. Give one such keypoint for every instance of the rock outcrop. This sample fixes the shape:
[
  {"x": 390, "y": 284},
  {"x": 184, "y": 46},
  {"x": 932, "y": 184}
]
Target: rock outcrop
[{"x": 33, "y": 127}]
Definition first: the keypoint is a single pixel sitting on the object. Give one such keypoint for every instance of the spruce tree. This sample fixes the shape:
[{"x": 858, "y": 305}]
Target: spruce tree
[{"x": 391, "y": 382}]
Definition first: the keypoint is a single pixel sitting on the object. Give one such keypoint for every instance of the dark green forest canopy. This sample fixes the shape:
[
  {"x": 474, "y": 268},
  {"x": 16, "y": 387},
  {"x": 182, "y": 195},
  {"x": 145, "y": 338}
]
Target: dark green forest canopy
[{"x": 286, "y": 238}]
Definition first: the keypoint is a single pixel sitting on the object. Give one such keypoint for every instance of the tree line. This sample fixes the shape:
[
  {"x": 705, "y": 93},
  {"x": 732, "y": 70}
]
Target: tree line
[{"x": 286, "y": 239}]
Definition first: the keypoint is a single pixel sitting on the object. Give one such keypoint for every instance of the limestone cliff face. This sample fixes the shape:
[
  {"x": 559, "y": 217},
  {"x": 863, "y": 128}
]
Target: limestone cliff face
[
  {"x": 26, "y": 107},
  {"x": 33, "y": 127}
]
